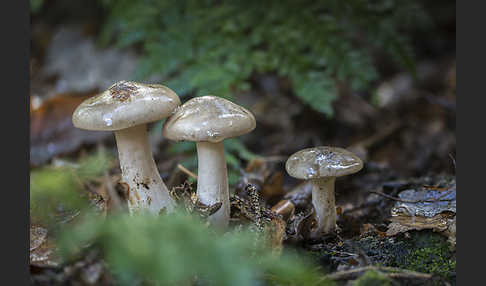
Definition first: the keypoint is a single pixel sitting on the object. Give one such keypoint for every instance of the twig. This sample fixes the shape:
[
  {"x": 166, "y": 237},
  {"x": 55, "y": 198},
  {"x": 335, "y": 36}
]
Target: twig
[
  {"x": 275, "y": 158},
  {"x": 434, "y": 99},
  {"x": 186, "y": 171},
  {"x": 114, "y": 198},
  {"x": 410, "y": 201},
  {"x": 397, "y": 273},
  {"x": 380, "y": 136},
  {"x": 409, "y": 275},
  {"x": 361, "y": 206},
  {"x": 453, "y": 161}
]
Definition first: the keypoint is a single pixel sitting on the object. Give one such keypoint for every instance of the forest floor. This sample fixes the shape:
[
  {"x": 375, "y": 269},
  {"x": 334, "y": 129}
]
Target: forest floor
[{"x": 397, "y": 216}]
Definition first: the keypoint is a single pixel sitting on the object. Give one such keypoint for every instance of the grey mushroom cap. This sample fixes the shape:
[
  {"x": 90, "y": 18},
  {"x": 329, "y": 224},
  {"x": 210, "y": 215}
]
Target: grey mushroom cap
[
  {"x": 208, "y": 119},
  {"x": 323, "y": 161},
  {"x": 125, "y": 104}
]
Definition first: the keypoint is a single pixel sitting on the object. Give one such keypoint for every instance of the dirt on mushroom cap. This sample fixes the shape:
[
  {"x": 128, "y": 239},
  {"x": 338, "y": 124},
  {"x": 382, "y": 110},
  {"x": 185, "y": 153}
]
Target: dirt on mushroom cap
[
  {"x": 125, "y": 104},
  {"x": 322, "y": 161}
]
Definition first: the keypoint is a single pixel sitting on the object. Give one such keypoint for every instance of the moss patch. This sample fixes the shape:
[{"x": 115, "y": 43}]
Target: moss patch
[
  {"x": 432, "y": 255},
  {"x": 422, "y": 251},
  {"x": 372, "y": 278}
]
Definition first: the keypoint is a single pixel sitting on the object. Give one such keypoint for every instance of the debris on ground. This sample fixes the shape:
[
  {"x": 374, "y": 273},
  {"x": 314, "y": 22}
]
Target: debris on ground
[{"x": 427, "y": 208}]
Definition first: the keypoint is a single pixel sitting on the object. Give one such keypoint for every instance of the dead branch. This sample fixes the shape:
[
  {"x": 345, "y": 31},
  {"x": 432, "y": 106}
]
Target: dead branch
[
  {"x": 439, "y": 199},
  {"x": 114, "y": 198},
  {"x": 395, "y": 273},
  {"x": 186, "y": 171}
]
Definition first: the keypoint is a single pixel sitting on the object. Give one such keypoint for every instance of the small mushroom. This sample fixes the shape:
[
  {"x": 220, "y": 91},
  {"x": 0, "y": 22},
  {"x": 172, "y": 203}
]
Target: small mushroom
[
  {"x": 208, "y": 120},
  {"x": 321, "y": 165},
  {"x": 126, "y": 108}
]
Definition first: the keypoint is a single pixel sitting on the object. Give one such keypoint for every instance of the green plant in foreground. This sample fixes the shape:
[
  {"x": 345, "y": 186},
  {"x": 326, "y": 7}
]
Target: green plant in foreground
[
  {"x": 372, "y": 278},
  {"x": 175, "y": 249},
  {"x": 54, "y": 189},
  {"x": 212, "y": 47}
]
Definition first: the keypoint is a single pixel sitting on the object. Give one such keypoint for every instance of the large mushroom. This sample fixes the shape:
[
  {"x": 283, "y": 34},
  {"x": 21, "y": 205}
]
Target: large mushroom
[
  {"x": 126, "y": 108},
  {"x": 208, "y": 120},
  {"x": 321, "y": 165}
]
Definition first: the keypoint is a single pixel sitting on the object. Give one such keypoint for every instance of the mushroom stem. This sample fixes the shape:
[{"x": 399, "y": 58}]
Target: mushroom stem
[
  {"x": 324, "y": 204},
  {"x": 212, "y": 180},
  {"x": 147, "y": 191}
]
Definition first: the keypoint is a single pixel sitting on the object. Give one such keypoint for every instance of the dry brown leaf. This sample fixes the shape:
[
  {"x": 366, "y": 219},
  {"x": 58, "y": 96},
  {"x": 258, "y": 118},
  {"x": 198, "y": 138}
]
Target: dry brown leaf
[
  {"x": 300, "y": 195},
  {"x": 367, "y": 227},
  {"x": 272, "y": 187},
  {"x": 339, "y": 210},
  {"x": 42, "y": 249},
  {"x": 275, "y": 234},
  {"x": 52, "y": 132},
  {"x": 439, "y": 223},
  {"x": 37, "y": 236}
]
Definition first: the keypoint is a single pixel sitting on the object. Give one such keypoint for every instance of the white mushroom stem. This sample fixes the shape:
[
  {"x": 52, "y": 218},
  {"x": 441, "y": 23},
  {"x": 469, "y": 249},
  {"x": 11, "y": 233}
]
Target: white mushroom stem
[
  {"x": 146, "y": 191},
  {"x": 212, "y": 180},
  {"x": 324, "y": 204}
]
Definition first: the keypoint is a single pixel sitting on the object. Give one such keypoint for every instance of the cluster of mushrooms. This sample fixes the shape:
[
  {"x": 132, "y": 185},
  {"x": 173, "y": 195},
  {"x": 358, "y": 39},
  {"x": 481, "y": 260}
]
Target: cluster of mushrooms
[{"x": 127, "y": 107}]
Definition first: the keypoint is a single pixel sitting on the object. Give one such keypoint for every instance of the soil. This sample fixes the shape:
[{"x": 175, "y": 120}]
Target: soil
[{"x": 407, "y": 142}]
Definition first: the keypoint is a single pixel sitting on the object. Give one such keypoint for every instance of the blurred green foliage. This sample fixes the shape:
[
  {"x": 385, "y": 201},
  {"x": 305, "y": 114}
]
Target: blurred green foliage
[
  {"x": 372, "y": 278},
  {"x": 433, "y": 256},
  {"x": 35, "y": 5},
  {"x": 55, "y": 189},
  {"x": 176, "y": 249},
  {"x": 213, "y": 47}
]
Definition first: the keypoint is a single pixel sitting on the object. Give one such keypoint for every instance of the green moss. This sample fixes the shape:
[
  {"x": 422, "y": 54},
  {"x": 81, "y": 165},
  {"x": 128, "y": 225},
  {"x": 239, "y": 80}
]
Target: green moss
[
  {"x": 385, "y": 251},
  {"x": 436, "y": 259},
  {"x": 427, "y": 252},
  {"x": 424, "y": 251},
  {"x": 372, "y": 278},
  {"x": 56, "y": 189}
]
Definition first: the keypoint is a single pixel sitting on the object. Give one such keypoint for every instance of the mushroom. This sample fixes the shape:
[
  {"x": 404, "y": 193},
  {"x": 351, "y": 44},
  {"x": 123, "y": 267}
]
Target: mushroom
[
  {"x": 126, "y": 108},
  {"x": 321, "y": 165},
  {"x": 208, "y": 120}
]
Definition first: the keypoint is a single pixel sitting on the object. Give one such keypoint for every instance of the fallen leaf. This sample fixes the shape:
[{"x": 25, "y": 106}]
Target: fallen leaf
[
  {"x": 450, "y": 232},
  {"x": 275, "y": 234},
  {"x": 52, "y": 132},
  {"x": 94, "y": 68},
  {"x": 426, "y": 208},
  {"x": 339, "y": 210},
  {"x": 426, "y": 203},
  {"x": 439, "y": 223},
  {"x": 367, "y": 227},
  {"x": 272, "y": 187},
  {"x": 42, "y": 249},
  {"x": 300, "y": 195},
  {"x": 301, "y": 225},
  {"x": 439, "y": 189},
  {"x": 37, "y": 236}
]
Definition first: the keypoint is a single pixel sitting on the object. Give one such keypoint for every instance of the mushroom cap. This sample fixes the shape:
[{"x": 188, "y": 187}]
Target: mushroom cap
[
  {"x": 322, "y": 161},
  {"x": 125, "y": 104},
  {"x": 208, "y": 118}
]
